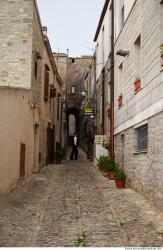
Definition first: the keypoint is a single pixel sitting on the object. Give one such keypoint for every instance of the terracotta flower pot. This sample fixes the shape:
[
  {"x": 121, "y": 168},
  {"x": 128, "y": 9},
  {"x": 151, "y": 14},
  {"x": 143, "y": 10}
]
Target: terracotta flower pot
[
  {"x": 120, "y": 183},
  {"x": 90, "y": 156},
  {"x": 111, "y": 175},
  {"x": 102, "y": 168},
  {"x": 137, "y": 85}
]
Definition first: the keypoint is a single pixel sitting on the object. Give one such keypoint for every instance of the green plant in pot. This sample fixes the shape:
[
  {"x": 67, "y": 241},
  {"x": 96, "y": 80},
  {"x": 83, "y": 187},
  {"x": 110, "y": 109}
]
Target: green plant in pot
[
  {"x": 60, "y": 155},
  {"x": 120, "y": 178},
  {"x": 103, "y": 162},
  {"x": 112, "y": 169},
  {"x": 106, "y": 144}
]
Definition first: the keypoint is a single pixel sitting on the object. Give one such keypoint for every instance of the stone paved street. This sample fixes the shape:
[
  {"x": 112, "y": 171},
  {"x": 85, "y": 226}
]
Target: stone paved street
[{"x": 54, "y": 206}]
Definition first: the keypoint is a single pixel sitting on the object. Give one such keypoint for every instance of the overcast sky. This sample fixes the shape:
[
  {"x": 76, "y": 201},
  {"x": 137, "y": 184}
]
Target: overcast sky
[{"x": 71, "y": 24}]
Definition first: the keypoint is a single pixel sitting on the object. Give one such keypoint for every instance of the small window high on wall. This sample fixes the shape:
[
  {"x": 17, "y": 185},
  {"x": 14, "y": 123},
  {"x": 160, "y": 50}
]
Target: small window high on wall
[
  {"x": 161, "y": 35},
  {"x": 120, "y": 76},
  {"x": 161, "y": 22},
  {"x": 72, "y": 89},
  {"x": 46, "y": 83},
  {"x": 121, "y": 13},
  {"x": 137, "y": 58}
]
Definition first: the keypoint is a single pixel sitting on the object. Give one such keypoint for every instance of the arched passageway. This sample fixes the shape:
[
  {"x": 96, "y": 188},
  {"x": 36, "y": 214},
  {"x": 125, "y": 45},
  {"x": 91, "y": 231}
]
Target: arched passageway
[{"x": 73, "y": 122}]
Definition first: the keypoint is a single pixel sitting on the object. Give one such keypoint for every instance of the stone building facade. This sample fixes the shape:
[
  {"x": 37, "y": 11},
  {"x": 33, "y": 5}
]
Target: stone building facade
[
  {"x": 76, "y": 92},
  {"x": 138, "y": 81},
  {"x": 138, "y": 93},
  {"x": 103, "y": 49},
  {"x": 22, "y": 77},
  {"x": 61, "y": 61},
  {"x": 72, "y": 71}
]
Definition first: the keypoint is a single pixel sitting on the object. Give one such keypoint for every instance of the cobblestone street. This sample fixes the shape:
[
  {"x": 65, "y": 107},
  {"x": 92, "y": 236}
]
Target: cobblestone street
[{"x": 54, "y": 206}]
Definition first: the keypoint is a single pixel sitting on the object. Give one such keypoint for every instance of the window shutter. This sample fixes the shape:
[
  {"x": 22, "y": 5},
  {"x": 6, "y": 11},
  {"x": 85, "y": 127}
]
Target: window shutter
[{"x": 46, "y": 86}]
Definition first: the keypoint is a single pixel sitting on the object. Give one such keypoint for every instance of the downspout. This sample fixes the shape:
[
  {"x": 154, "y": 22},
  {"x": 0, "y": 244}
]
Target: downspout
[
  {"x": 112, "y": 85},
  {"x": 95, "y": 93},
  {"x": 103, "y": 101}
]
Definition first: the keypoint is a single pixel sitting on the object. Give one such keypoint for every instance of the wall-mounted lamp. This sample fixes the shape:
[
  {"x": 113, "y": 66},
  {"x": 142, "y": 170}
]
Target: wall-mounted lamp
[
  {"x": 121, "y": 52},
  {"x": 83, "y": 93}
]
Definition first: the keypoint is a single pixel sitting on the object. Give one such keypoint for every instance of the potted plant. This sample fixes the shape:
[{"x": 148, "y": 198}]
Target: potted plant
[
  {"x": 60, "y": 154},
  {"x": 112, "y": 169},
  {"x": 103, "y": 161},
  {"x": 120, "y": 178},
  {"x": 120, "y": 101},
  {"x": 90, "y": 153},
  {"x": 106, "y": 144},
  {"x": 137, "y": 85}
]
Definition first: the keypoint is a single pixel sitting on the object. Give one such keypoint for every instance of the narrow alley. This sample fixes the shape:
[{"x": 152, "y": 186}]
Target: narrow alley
[{"x": 56, "y": 207}]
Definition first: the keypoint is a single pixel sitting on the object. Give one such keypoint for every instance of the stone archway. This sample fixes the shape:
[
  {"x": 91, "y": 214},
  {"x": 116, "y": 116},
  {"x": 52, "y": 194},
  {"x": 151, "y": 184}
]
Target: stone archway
[
  {"x": 73, "y": 120},
  {"x": 72, "y": 125}
]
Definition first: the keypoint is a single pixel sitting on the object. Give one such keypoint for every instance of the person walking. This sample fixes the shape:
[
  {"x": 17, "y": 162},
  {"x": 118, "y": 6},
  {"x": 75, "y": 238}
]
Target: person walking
[{"x": 74, "y": 147}]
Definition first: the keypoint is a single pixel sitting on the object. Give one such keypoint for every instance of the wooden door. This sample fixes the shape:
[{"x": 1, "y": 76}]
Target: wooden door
[
  {"x": 50, "y": 145},
  {"x": 22, "y": 159}
]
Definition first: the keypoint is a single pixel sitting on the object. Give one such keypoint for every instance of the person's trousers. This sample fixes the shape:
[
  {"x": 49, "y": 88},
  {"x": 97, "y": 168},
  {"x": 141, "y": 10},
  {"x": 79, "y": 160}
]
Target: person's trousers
[{"x": 74, "y": 152}]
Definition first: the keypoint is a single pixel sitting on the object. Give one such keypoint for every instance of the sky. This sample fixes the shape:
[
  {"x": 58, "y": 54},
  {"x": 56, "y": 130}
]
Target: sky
[{"x": 71, "y": 24}]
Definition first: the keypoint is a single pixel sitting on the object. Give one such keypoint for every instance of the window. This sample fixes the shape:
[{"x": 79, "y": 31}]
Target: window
[
  {"x": 72, "y": 89},
  {"x": 36, "y": 68},
  {"x": 122, "y": 15},
  {"x": 120, "y": 87},
  {"x": 110, "y": 29},
  {"x": 137, "y": 58},
  {"x": 58, "y": 106},
  {"x": 103, "y": 45},
  {"x": 142, "y": 138},
  {"x": 46, "y": 84}
]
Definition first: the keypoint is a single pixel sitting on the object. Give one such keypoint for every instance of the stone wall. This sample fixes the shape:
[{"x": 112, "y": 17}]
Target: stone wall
[
  {"x": 106, "y": 97},
  {"x": 144, "y": 170},
  {"x": 136, "y": 106},
  {"x": 37, "y": 49},
  {"x": 16, "y": 43}
]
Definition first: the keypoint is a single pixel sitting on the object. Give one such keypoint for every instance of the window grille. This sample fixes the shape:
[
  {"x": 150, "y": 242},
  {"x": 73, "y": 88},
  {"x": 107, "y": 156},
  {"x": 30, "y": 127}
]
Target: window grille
[{"x": 142, "y": 138}]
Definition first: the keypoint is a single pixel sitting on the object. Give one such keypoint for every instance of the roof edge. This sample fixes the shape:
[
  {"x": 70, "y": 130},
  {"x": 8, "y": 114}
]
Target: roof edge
[{"x": 101, "y": 19}]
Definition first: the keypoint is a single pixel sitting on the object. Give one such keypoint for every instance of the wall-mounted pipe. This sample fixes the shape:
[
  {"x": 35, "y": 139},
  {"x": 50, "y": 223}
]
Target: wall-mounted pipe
[{"x": 112, "y": 85}]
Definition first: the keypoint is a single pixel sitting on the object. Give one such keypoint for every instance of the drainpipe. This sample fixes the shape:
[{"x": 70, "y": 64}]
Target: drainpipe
[
  {"x": 112, "y": 85},
  {"x": 95, "y": 93},
  {"x": 103, "y": 101}
]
